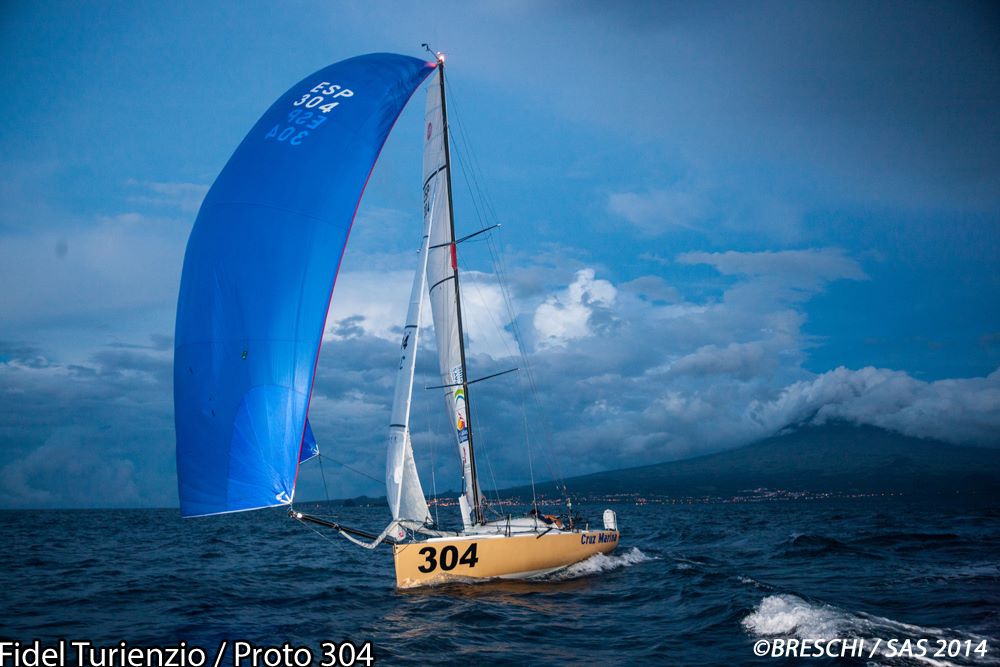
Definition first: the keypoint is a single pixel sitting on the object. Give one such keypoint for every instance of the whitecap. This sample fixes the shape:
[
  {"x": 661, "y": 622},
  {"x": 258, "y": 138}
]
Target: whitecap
[
  {"x": 790, "y": 615},
  {"x": 750, "y": 581}
]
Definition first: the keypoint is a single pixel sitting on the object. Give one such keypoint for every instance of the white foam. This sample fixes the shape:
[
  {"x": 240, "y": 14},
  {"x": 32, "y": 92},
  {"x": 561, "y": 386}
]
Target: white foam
[
  {"x": 599, "y": 563},
  {"x": 596, "y": 564},
  {"x": 750, "y": 581},
  {"x": 789, "y": 615}
]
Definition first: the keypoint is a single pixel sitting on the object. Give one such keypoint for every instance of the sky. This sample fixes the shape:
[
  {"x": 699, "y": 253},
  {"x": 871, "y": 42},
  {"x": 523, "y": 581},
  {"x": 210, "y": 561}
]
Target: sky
[{"x": 718, "y": 220}]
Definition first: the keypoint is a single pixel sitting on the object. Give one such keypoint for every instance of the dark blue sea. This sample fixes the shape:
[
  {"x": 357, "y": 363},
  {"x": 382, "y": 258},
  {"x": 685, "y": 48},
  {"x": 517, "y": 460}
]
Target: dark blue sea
[{"x": 701, "y": 584}]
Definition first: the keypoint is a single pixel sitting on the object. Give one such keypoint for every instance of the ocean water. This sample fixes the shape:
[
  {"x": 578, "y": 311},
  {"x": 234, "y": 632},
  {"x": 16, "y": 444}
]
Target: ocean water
[{"x": 694, "y": 584}]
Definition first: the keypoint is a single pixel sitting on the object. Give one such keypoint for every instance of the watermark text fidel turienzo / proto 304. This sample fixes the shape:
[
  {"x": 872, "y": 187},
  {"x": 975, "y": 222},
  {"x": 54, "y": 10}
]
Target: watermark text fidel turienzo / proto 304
[{"x": 236, "y": 653}]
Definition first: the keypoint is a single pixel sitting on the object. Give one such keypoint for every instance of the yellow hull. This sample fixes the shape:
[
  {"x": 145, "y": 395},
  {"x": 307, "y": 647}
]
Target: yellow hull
[{"x": 495, "y": 556}]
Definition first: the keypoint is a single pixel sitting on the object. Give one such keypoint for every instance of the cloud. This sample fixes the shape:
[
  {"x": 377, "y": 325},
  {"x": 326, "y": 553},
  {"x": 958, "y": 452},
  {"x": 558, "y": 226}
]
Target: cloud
[
  {"x": 126, "y": 261},
  {"x": 658, "y": 211},
  {"x": 185, "y": 197},
  {"x": 618, "y": 377},
  {"x": 732, "y": 147},
  {"x": 787, "y": 277},
  {"x": 797, "y": 268},
  {"x": 955, "y": 410},
  {"x": 678, "y": 378},
  {"x": 740, "y": 360},
  {"x": 70, "y": 469},
  {"x": 373, "y": 302},
  {"x": 832, "y": 101},
  {"x": 96, "y": 433},
  {"x": 652, "y": 288},
  {"x": 21, "y": 353},
  {"x": 756, "y": 89},
  {"x": 485, "y": 316},
  {"x": 573, "y": 313}
]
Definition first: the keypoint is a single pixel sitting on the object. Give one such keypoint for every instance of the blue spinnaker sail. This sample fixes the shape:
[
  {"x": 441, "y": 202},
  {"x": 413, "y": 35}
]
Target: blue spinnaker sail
[{"x": 258, "y": 275}]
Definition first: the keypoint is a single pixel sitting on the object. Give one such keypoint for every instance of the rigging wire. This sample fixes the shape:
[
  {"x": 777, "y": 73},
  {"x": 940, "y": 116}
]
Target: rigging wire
[
  {"x": 486, "y": 213},
  {"x": 531, "y": 467},
  {"x": 486, "y": 455},
  {"x": 489, "y": 313},
  {"x": 360, "y": 472},
  {"x": 322, "y": 474},
  {"x": 323, "y": 535},
  {"x": 437, "y": 519}
]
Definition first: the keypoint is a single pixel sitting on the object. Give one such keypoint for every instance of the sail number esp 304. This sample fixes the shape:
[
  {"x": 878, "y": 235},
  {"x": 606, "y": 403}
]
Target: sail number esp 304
[
  {"x": 448, "y": 558},
  {"x": 309, "y": 112}
]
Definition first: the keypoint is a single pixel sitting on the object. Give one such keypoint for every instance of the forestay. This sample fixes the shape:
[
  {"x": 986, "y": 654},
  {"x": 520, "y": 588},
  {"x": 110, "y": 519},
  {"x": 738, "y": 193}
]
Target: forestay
[
  {"x": 258, "y": 274},
  {"x": 403, "y": 490}
]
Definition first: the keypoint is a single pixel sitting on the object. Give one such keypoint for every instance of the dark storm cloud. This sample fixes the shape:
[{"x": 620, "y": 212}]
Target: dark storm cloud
[
  {"x": 641, "y": 380},
  {"x": 98, "y": 433},
  {"x": 727, "y": 125},
  {"x": 17, "y": 352},
  {"x": 888, "y": 102}
]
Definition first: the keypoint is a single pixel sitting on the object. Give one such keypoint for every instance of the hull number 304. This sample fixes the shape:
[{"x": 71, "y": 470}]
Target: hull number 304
[{"x": 448, "y": 558}]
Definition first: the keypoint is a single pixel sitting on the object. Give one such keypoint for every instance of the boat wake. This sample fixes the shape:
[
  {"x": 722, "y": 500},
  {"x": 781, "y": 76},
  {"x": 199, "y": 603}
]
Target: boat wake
[
  {"x": 599, "y": 563},
  {"x": 596, "y": 564},
  {"x": 791, "y": 616}
]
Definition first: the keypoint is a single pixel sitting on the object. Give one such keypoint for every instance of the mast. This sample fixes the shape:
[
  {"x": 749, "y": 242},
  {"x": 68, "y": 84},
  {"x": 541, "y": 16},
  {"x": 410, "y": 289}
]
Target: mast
[{"x": 477, "y": 505}]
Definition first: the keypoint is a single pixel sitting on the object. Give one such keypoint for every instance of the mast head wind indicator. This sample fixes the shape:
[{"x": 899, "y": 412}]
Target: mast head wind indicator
[{"x": 438, "y": 56}]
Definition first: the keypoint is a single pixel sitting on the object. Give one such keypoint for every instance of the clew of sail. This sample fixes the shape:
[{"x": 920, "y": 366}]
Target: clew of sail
[
  {"x": 403, "y": 489},
  {"x": 258, "y": 273},
  {"x": 442, "y": 277}
]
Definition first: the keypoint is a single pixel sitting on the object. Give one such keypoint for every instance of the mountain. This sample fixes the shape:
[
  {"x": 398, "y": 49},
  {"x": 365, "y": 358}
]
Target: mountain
[{"x": 831, "y": 458}]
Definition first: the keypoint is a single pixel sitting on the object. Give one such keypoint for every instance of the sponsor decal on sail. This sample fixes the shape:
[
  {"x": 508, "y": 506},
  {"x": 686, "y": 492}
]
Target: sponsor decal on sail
[{"x": 460, "y": 424}]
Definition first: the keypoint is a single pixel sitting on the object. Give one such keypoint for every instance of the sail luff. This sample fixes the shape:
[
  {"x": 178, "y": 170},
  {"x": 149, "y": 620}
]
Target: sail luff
[
  {"x": 476, "y": 503},
  {"x": 401, "y": 479},
  {"x": 445, "y": 293}
]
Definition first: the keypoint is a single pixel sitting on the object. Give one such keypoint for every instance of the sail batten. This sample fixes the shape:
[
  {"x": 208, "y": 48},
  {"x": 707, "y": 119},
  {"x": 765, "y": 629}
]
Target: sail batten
[{"x": 258, "y": 273}]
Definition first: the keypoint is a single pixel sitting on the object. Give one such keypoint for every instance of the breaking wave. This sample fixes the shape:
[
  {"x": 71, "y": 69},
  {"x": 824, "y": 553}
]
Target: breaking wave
[{"x": 792, "y": 616}]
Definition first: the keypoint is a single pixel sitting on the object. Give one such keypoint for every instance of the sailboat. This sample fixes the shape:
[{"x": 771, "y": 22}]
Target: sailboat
[{"x": 259, "y": 273}]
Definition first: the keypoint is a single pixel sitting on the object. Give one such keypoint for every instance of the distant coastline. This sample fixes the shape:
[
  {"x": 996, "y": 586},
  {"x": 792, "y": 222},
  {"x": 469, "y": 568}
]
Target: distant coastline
[{"x": 829, "y": 461}]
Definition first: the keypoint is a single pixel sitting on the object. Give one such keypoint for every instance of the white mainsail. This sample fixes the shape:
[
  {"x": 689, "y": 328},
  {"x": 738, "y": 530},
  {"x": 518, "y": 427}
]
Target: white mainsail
[
  {"x": 442, "y": 276},
  {"x": 403, "y": 489}
]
